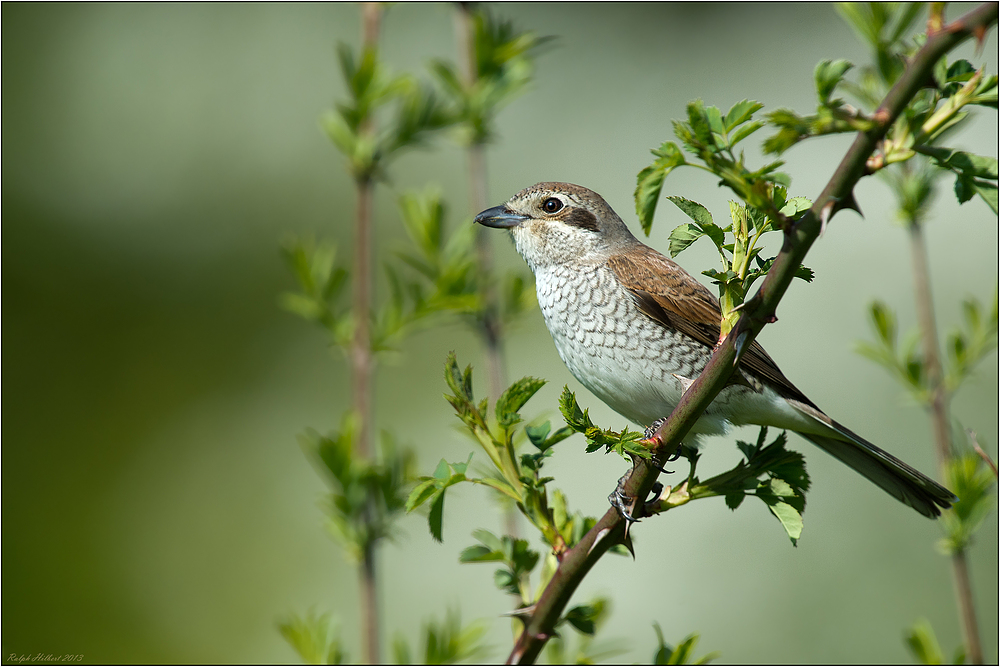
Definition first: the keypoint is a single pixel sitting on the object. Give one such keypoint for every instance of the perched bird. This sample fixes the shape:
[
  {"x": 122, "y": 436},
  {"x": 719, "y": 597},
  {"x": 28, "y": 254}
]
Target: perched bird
[{"x": 634, "y": 327}]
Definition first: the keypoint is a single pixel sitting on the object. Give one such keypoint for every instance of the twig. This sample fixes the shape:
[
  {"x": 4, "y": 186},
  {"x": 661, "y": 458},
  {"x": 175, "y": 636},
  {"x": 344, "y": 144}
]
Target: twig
[
  {"x": 938, "y": 405},
  {"x": 490, "y": 326},
  {"x": 362, "y": 360},
  {"x": 758, "y": 312}
]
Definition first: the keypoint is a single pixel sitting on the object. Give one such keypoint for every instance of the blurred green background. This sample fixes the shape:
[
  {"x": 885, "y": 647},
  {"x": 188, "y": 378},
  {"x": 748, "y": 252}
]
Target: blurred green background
[{"x": 156, "y": 505}]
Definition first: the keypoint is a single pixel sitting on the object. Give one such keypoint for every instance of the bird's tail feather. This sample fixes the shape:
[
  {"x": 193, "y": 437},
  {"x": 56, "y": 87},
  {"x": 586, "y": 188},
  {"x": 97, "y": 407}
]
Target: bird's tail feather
[{"x": 896, "y": 478}]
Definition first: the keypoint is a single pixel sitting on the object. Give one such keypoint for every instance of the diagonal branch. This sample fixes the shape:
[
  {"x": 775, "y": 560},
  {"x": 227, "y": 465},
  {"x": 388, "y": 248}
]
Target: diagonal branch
[{"x": 757, "y": 312}]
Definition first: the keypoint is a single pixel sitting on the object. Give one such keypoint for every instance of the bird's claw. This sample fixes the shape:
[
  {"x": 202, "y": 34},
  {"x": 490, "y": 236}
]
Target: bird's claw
[
  {"x": 625, "y": 504},
  {"x": 622, "y": 502}
]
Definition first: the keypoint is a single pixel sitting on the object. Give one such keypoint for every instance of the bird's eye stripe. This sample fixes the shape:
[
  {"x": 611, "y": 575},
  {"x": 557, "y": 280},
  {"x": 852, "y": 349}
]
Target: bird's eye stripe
[{"x": 582, "y": 218}]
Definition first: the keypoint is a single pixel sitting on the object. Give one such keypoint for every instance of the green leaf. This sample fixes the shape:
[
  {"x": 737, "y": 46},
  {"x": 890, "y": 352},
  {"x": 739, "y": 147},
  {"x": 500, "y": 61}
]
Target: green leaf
[
  {"x": 970, "y": 164},
  {"x": 479, "y": 553},
  {"x": 420, "y": 494},
  {"x": 576, "y": 418},
  {"x": 683, "y": 236},
  {"x": 500, "y": 485},
  {"x": 537, "y": 434},
  {"x": 828, "y": 74},
  {"x": 436, "y": 516},
  {"x": 650, "y": 182},
  {"x": 745, "y": 131},
  {"x": 796, "y": 205},
  {"x": 703, "y": 223},
  {"x": 695, "y": 211},
  {"x": 514, "y": 398},
  {"x": 315, "y": 638},
  {"x": 740, "y": 113},
  {"x": 582, "y": 617},
  {"x": 988, "y": 192},
  {"x": 884, "y": 321},
  {"x": 923, "y": 643},
  {"x": 775, "y": 494},
  {"x": 682, "y": 655},
  {"x": 443, "y": 470}
]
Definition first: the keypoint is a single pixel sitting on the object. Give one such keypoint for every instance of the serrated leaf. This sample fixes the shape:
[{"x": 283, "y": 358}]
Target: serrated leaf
[
  {"x": 650, "y": 182},
  {"x": 828, "y": 74},
  {"x": 804, "y": 273},
  {"x": 442, "y": 471},
  {"x": 514, "y": 398},
  {"x": 988, "y": 192},
  {"x": 436, "y": 516},
  {"x": 420, "y": 494},
  {"x": 694, "y": 210},
  {"x": 479, "y": 554},
  {"x": 745, "y": 131},
  {"x": 790, "y": 518},
  {"x": 683, "y": 236},
  {"x": 488, "y": 539},
  {"x": 739, "y": 113},
  {"x": 734, "y": 500}
]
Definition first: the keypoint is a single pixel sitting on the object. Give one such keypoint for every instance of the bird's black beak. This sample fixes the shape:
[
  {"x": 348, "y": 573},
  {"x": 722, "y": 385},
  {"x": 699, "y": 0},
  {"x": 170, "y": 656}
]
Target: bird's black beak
[{"x": 500, "y": 217}]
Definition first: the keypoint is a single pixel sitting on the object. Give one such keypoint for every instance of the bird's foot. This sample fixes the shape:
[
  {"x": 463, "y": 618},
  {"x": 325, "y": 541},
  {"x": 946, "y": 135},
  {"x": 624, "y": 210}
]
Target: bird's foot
[
  {"x": 623, "y": 502},
  {"x": 626, "y": 504},
  {"x": 648, "y": 440}
]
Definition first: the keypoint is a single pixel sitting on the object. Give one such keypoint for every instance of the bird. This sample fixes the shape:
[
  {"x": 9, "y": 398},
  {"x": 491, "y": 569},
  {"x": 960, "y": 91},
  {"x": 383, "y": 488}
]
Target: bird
[{"x": 635, "y": 328}]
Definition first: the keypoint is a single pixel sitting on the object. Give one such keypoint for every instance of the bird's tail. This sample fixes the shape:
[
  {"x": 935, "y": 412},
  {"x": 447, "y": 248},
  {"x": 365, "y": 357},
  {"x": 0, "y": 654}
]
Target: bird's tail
[{"x": 899, "y": 480}]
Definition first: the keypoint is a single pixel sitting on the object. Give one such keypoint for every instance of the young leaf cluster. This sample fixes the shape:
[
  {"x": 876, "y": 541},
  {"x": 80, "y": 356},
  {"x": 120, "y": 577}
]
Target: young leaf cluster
[
  {"x": 518, "y": 477},
  {"x": 503, "y": 66},
  {"x": 711, "y": 138},
  {"x": 741, "y": 261},
  {"x": 445, "y": 276},
  {"x": 320, "y": 297},
  {"x": 321, "y": 287},
  {"x": 515, "y": 556},
  {"x": 971, "y": 479},
  {"x": 625, "y": 443},
  {"x": 770, "y": 472},
  {"x": 682, "y": 654},
  {"x": 966, "y": 347},
  {"x": 923, "y": 644},
  {"x": 366, "y": 496},
  {"x": 315, "y": 638},
  {"x": 447, "y": 642},
  {"x": 586, "y": 619},
  {"x": 934, "y": 111},
  {"x": 419, "y": 112}
]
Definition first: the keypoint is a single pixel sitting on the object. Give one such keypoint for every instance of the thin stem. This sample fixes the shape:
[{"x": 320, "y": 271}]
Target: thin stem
[
  {"x": 799, "y": 237},
  {"x": 491, "y": 328},
  {"x": 938, "y": 405},
  {"x": 938, "y": 396},
  {"x": 362, "y": 363},
  {"x": 362, "y": 359}
]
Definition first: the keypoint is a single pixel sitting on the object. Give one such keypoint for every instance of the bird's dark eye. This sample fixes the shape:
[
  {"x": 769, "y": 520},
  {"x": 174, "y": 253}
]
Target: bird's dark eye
[{"x": 551, "y": 205}]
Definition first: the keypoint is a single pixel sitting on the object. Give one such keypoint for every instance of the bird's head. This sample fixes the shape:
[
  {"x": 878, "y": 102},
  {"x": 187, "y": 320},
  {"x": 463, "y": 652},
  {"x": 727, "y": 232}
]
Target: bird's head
[{"x": 555, "y": 223}]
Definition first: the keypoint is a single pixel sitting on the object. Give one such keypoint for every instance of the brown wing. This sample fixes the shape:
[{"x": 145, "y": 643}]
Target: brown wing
[{"x": 672, "y": 297}]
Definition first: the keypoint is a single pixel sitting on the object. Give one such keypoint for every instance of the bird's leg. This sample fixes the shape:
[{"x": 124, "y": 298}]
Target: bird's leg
[
  {"x": 626, "y": 505},
  {"x": 622, "y": 502}
]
